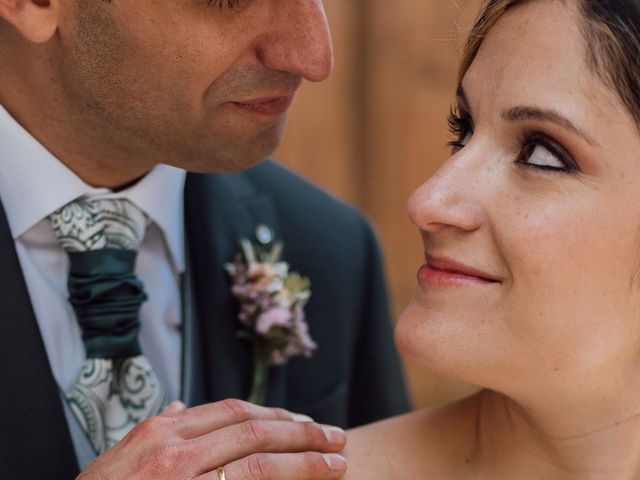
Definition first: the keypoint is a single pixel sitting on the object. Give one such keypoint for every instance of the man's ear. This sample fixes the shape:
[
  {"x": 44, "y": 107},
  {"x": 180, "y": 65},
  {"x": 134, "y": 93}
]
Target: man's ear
[{"x": 36, "y": 20}]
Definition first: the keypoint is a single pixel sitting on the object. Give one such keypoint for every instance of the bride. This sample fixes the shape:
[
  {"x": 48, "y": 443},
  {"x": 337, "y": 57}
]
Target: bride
[{"x": 531, "y": 283}]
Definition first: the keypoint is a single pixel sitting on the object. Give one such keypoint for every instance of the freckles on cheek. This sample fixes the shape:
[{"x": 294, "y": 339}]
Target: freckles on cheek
[
  {"x": 571, "y": 251},
  {"x": 539, "y": 245}
]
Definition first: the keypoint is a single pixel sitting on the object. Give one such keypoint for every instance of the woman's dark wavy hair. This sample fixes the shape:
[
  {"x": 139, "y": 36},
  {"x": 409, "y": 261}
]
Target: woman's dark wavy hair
[{"x": 611, "y": 30}]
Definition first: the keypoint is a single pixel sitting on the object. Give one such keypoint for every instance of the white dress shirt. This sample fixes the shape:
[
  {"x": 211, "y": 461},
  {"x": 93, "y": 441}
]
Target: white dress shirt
[{"x": 33, "y": 184}]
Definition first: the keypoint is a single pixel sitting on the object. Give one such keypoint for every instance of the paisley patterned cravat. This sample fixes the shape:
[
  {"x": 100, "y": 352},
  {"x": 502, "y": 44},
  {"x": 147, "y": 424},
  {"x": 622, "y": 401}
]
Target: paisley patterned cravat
[{"x": 116, "y": 387}]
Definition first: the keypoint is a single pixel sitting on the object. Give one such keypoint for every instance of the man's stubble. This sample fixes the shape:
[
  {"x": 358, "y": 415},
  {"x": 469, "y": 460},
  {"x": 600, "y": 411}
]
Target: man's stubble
[{"x": 116, "y": 103}]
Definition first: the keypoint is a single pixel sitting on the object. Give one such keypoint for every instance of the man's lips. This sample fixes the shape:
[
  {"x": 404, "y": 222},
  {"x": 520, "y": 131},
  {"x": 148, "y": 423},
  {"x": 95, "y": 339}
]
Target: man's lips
[
  {"x": 271, "y": 106},
  {"x": 440, "y": 271}
]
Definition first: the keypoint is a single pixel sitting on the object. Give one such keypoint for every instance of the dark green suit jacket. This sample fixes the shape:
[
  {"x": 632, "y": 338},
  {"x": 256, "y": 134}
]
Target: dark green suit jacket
[{"x": 354, "y": 377}]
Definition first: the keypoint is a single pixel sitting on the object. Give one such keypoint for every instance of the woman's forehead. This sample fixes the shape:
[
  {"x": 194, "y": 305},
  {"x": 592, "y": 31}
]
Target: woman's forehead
[
  {"x": 536, "y": 54},
  {"x": 537, "y": 41}
]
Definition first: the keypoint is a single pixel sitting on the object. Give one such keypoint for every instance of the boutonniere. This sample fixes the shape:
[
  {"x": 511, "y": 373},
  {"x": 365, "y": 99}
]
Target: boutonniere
[{"x": 272, "y": 301}]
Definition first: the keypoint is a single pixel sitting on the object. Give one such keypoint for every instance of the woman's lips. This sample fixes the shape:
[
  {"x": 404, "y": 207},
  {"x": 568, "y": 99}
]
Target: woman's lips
[
  {"x": 441, "y": 272},
  {"x": 268, "y": 106}
]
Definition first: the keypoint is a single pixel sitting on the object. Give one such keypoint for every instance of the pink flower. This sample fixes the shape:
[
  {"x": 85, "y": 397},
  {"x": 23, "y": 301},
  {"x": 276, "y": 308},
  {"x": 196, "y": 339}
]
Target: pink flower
[
  {"x": 272, "y": 303},
  {"x": 273, "y": 317}
]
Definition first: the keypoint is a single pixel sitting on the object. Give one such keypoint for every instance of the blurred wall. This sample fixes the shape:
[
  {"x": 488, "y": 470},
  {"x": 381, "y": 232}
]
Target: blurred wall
[{"x": 377, "y": 129}]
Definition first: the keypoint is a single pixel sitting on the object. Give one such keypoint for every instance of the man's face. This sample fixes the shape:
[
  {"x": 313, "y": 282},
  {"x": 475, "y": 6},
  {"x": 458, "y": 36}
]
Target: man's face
[{"x": 199, "y": 84}]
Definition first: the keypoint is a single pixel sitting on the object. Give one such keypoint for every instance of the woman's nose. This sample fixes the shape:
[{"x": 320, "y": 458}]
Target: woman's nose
[
  {"x": 448, "y": 200},
  {"x": 299, "y": 41}
]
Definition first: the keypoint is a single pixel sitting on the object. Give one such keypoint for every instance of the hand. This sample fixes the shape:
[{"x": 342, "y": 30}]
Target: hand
[{"x": 250, "y": 442}]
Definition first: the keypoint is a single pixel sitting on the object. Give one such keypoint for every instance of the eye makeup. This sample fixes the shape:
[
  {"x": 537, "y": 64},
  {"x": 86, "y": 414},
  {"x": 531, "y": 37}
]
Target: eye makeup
[
  {"x": 460, "y": 125},
  {"x": 461, "y": 128},
  {"x": 531, "y": 141}
]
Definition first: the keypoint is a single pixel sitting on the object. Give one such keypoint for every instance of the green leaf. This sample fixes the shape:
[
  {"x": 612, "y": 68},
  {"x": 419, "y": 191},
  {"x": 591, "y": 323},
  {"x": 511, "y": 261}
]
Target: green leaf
[{"x": 296, "y": 283}]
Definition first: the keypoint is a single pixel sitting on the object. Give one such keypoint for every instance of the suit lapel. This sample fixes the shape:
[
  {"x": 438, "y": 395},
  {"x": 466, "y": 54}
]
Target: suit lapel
[
  {"x": 34, "y": 438},
  {"x": 221, "y": 209}
]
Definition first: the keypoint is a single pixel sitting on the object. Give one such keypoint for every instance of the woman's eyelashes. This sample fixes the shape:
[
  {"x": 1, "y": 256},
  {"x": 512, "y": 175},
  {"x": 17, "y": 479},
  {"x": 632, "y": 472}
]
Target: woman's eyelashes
[
  {"x": 540, "y": 151},
  {"x": 536, "y": 150},
  {"x": 461, "y": 128}
]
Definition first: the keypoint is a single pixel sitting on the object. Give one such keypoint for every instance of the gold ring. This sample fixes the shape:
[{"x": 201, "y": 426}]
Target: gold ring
[{"x": 221, "y": 475}]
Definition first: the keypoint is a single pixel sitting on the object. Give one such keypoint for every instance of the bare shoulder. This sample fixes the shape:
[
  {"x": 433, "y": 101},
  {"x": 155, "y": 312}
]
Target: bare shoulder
[{"x": 426, "y": 442}]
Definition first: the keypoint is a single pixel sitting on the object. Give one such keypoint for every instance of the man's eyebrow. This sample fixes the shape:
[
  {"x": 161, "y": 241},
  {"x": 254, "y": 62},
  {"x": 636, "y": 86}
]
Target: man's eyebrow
[{"x": 524, "y": 113}]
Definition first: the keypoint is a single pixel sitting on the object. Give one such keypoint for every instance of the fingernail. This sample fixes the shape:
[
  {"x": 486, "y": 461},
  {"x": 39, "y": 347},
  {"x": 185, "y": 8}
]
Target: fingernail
[
  {"x": 298, "y": 417},
  {"x": 335, "y": 461},
  {"x": 175, "y": 406},
  {"x": 334, "y": 434}
]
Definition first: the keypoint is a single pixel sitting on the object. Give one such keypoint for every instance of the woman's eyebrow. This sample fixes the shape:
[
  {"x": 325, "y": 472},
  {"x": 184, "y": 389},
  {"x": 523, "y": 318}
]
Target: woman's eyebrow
[{"x": 523, "y": 113}]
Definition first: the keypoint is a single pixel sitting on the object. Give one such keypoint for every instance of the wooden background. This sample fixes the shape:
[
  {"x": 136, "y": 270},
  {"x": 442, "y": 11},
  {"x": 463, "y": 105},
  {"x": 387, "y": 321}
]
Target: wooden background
[{"x": 377, "y": 129}]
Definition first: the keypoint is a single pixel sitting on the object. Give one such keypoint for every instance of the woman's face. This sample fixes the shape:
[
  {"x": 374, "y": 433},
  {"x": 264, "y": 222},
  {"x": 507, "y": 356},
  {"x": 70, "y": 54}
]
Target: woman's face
[{"x": 531, "y": 228}]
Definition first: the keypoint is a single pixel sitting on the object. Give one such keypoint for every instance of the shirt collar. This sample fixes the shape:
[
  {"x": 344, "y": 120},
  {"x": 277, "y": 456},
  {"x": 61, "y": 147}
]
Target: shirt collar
[{"x": 34, "y": 183}]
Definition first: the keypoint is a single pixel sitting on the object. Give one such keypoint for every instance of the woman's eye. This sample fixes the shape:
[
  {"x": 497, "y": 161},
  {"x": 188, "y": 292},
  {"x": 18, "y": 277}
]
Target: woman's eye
[
  {"x": 541, "y": 157},
  {"x": 461, "y": 128},
  {"x": 539, "y": 151},
  {"x": 463, "y": 142}
]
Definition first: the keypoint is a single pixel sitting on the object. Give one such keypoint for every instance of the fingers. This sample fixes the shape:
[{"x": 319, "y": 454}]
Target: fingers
[
  {"x": 252, "y": 441},
  {"x": 268, "y": 436},
  {"x": 203, "y": 419},
  {"x": 283, "y": 466}
]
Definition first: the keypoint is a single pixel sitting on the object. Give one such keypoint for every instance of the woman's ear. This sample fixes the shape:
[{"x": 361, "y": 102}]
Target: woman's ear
[{"x": 36, "y": 20}]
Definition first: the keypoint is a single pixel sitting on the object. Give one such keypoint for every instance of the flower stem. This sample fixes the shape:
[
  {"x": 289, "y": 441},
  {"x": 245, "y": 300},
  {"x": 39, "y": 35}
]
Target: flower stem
[{"x": 260, "y": 379}]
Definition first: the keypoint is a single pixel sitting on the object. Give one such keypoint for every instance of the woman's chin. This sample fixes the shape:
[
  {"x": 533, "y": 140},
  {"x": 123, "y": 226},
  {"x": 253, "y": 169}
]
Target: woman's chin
[
  {"x": 449, "y": 345},
  {"x": 421, "y": 337}
]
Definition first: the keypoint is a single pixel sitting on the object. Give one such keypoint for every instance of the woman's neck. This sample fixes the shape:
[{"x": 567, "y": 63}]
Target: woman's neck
[{"x": 554, "y": 442}]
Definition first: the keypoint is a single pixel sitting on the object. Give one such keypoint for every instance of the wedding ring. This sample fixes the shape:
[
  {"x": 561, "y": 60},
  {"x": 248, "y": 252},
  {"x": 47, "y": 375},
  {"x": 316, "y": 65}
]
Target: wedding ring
[{"x": 221, "y": 475}]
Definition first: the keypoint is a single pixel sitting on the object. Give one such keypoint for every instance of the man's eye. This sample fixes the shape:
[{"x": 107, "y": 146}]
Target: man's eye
[
  {"x": 539, "y": 151},
  {"x": 224, "y": 3}
]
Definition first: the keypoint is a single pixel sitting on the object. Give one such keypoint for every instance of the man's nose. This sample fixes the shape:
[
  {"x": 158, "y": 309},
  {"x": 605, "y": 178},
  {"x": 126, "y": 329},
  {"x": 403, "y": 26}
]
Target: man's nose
[
  {"x": 451, "y": 199},
  {"x": 299, "y": 41}
]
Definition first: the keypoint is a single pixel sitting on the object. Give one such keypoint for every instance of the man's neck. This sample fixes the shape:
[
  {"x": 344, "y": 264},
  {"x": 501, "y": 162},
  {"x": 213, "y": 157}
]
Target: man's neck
[
  {"x": 82, "y": 155},
  {"x": 72, "y": 136}
]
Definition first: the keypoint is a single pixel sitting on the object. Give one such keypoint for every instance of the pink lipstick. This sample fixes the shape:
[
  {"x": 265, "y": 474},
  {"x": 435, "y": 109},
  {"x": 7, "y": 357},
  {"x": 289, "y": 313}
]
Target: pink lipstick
[{"x": 442, "y": 272}]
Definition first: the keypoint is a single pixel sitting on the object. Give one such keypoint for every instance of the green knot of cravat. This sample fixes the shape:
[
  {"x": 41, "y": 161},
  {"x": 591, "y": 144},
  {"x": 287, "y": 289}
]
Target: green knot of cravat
[{"x": 106, "y": 296}]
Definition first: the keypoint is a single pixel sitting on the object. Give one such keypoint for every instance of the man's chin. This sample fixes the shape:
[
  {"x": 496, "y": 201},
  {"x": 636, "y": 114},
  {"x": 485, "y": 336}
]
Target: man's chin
[
  {"x": 225, "y": 162},
  {"x": 226, "y": 150},
  {"x": 234, "y": 166}
]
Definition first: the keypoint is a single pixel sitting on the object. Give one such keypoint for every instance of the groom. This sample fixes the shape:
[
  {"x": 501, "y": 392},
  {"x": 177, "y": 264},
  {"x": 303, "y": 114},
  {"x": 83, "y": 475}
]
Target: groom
[{"x": 108, "y": 103}]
